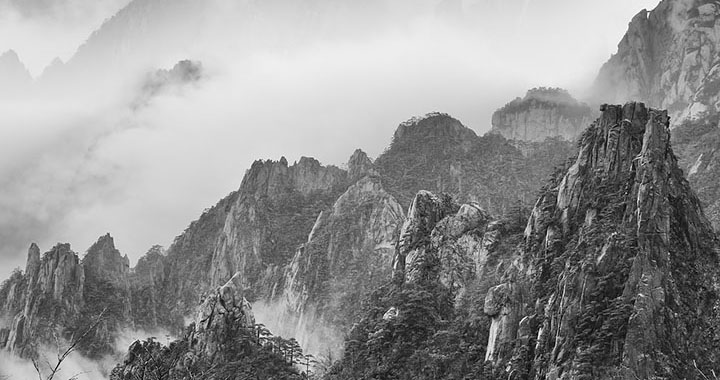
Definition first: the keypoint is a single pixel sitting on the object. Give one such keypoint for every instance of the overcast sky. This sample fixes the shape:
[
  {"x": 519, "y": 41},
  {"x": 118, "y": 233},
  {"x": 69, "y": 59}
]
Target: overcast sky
[{"x": 80, "y": 160}]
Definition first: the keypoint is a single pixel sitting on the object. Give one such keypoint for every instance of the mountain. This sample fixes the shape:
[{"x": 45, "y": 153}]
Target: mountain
[
  {"x": 14, "y": 76},
  {"x": 614, "y": 275},
  {"x": 542, "y": 113},
  {"x": 306, "y": 242}
]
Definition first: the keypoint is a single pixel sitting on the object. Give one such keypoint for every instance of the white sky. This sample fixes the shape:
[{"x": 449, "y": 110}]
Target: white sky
[{"x": 74, "y": 166}]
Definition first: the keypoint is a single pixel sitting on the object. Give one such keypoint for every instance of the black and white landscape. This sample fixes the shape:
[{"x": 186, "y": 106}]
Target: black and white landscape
[{"x": 410, "y": 189}]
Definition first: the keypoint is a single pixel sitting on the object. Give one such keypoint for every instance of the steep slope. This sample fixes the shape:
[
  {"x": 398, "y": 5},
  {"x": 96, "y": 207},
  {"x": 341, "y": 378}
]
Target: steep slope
[
  {"x": 52, "y": 298},
  {"x": 347, "y": 254},
  {"x": 542, "y": 113}
]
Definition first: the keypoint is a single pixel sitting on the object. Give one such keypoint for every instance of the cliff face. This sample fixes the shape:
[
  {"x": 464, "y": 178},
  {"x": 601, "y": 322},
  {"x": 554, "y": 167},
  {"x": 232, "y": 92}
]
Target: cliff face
[
  {"x": 272, "y": 215},
  {"x": 542, "y": 113},
  {"x": 53, "y": 296},
  {"x": 347, "y": 254},
  {"x": 668, "y": 58},
  {"x": 622, "y": 265}
]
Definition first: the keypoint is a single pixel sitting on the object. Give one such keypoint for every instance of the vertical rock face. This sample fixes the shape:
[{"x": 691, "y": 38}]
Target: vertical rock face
[
  {"x": 104, "y": 261},
  {"x": 542, "y": 113},
  {"x": 622, "y": 264},
  {"x": 441, "y": 241},
  {"x": 53, "y": 297},
  {"x": 272, "y": 215},
  {"x": 360, "y": 165},
  {"x": 668, "y": 58},
  {"x": 223, "y": 311},
  {"x": 347, "y": 254}
]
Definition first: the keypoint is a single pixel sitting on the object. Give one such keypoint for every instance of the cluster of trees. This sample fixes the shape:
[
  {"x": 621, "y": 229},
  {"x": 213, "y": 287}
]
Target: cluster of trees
[{"x": 247, "y": 354}]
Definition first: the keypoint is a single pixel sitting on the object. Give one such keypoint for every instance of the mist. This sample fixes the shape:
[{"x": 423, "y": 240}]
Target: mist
[{"x": 80, "y": 156}]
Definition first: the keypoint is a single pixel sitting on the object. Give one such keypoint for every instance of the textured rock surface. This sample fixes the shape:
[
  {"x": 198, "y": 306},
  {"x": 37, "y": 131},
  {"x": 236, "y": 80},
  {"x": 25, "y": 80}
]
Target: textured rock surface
[
  {"x": 272, "y": 215},
  {"x": 222, "y": 311},
  {"x": 622, "y": 263},
  {"x": 542, "y": 113},
  {"x": 104, "y": 261},
  {"x": 53, "y": 296},
  {"x": 348, "y": 253},
  {"x": 668, "y": 58},
  {"x": 441, "y": 241}
]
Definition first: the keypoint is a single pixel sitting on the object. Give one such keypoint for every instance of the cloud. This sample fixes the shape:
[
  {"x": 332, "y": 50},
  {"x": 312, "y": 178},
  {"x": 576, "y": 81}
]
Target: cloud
[{"x": 74, "y": 366}]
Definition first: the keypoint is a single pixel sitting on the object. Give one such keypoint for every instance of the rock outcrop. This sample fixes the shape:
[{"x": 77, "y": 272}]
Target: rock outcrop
[
  {"x": 542, "y": 113},
  {"x": 224, "y": 311},
  {"x": 441, "y": 241},
  {"x": 621, "y": 263},
  {"x": 224, "y": 323}
]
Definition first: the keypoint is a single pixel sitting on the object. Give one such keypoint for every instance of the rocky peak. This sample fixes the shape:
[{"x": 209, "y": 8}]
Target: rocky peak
[
  {"x": 58, "y": 281},
  {"x": 542, "y": 113},
  {"x": 438, "y": 128},
  {"x": 61, "y": 274},
  {"x": 276, "y": 177},
  {"x": 104, "y": 261},
  {"x": 12, "y": 70},
  {"x": 33, "y": 261},
  {"x": 360, "y": 165}
]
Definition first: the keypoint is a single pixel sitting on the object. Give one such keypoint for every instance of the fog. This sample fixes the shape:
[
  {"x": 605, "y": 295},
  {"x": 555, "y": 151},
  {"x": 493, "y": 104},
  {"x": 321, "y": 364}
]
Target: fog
[{"x": 81, "y": 155}]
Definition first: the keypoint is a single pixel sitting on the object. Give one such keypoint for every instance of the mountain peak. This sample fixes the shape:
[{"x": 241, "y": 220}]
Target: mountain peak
[
  {"x": 543, "y": 112},
  {"x": 359, "y": 165},
  {"x": 306, "y": 176},
  {"x": 103, "y": 260},
  {"x": 12, "y": 71},
  {"x": 433, "y": 125}
]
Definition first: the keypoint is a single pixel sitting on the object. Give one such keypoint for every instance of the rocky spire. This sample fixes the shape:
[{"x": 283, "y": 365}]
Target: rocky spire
[
  {"x": 104, "y": 261},
  {"x": 359, "y": 165}
]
